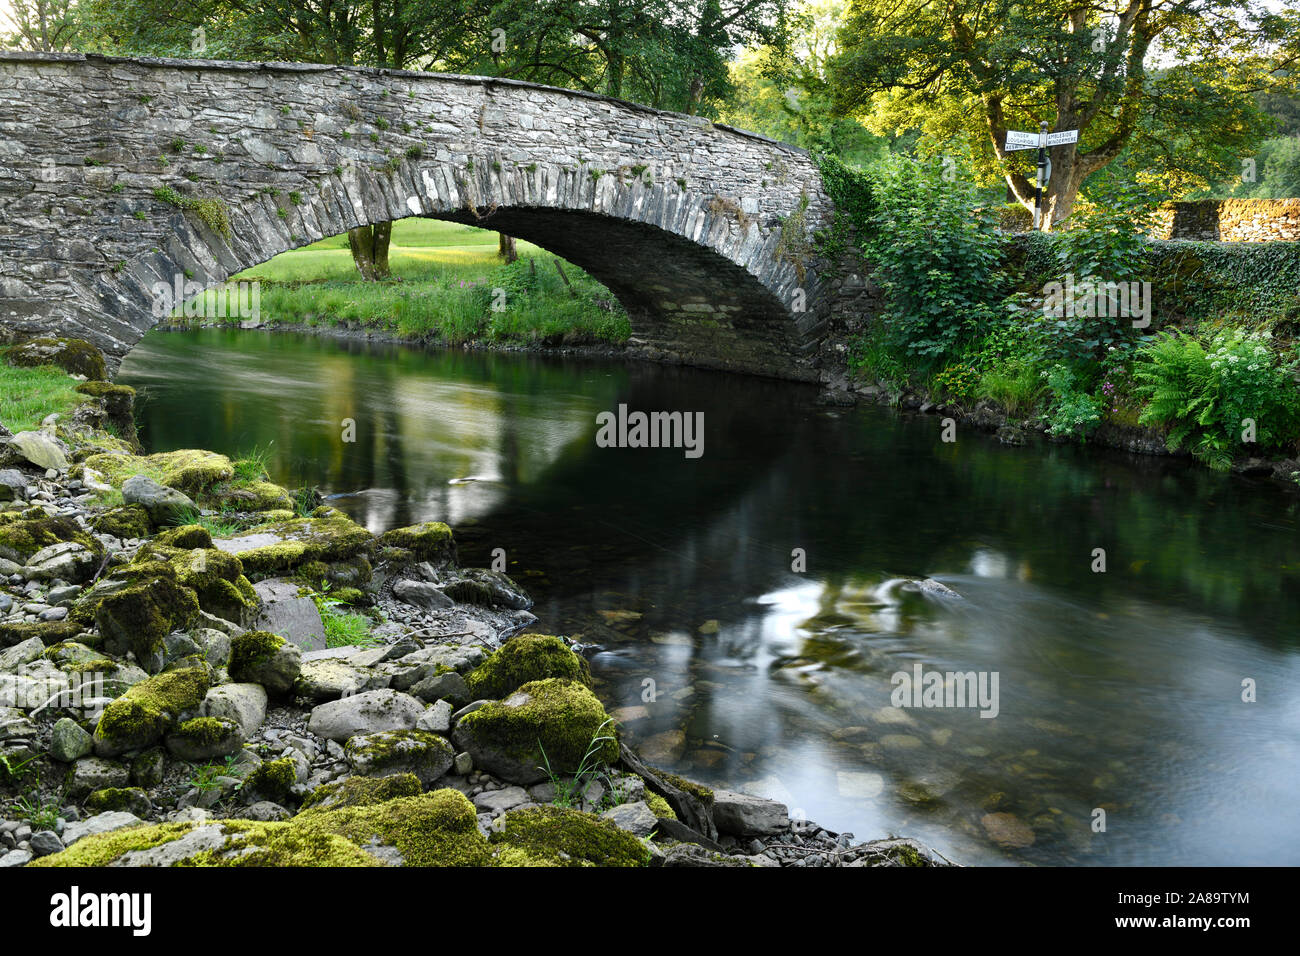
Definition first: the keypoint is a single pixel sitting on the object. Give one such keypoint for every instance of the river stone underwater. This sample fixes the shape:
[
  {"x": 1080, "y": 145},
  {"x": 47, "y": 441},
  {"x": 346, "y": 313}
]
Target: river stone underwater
[{"x": 1119, "y": 691}]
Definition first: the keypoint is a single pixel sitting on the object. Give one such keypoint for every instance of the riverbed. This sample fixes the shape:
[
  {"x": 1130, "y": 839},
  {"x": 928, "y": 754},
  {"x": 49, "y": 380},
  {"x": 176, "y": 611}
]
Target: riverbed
[{"x": 749, "y": 609}]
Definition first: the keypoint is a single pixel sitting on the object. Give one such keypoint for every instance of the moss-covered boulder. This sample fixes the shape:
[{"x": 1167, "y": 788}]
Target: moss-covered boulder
[
  {"x": 75, "y": 356},
  {"x": 252, "y": 496},
  {"x": 217, "y": 580},
  {"x": 138, "y": 616},
  {"x": 363, "y": 791},
  {"x": 49, "y": 632},
  {"x": 204, "y": 738},
  {"x": 260, "y": 657},
  {"x": 131, "y": 521},
  {"x": 429, "y": 541},
  {"x": 125, "y": 799},
  {"x": 143, "y": 715},
  {"x": 191, "y": 471},
  {"x": 283, "y": 547},
  {"x": 118, "y": 404},
  {"x": 23, "y": 536},
  {"x": 561, "y": 836},
  {"x": 184, "y": 537},
  {"x": 273, "y": 780},
  {"x": 426, "y": 756},
  {"x": 549, "y": 723},
  {"x": 528, "y": 657}
]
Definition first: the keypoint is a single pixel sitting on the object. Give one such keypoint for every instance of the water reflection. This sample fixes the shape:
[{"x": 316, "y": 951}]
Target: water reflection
[{"x": 1118, "y": 691}]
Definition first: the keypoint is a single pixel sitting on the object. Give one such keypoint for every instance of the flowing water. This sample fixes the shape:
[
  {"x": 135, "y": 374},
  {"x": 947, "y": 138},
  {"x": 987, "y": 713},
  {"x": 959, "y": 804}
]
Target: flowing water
[{"x": 753, "y": 606}]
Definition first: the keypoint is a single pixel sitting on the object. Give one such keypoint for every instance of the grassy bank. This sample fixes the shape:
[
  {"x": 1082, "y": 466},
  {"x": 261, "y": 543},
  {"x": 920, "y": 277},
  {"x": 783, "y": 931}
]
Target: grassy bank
[
  {"x": 449, "y": 285},
  {"x": 28, "y": 395}
]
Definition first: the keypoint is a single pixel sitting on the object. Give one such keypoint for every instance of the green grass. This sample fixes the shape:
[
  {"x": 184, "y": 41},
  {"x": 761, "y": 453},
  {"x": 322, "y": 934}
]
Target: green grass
[
  {"x": 28, "y": 395},
  {"x": 445, "y": 277}
]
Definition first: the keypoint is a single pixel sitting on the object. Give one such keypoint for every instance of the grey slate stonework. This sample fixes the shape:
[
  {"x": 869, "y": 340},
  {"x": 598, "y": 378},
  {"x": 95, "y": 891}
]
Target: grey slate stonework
[{"x": 287, "y": 151}]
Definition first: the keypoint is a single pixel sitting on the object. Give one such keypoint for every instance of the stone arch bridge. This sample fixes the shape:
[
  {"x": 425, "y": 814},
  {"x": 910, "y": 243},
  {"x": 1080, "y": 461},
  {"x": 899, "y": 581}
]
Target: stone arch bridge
[{"x": 118, "y": 175}]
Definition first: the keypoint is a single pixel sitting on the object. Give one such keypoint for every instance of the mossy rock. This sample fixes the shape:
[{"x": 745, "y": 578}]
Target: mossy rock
[
  {"x": 281, "y": 547},
  {"x": 253, "y": 496},
  {"x": 432, "y": 829},
  {"x": 75, "y": 356},
  {"x": 128, "y": 799},
  {"x": 203, "y": 738},
  {"x": 274, "y": 780},
  {"x": 363, "y": 791},
  {"x": 562, "y": 836},
  {"x": 139, "y": 616},
  {"x": 185, "y": 537},
  {"x": 22, "y": 537},
  {"x": 131, "y": 521},
  {"x": 145, "y": 713},
  {"x": 698, "y": 790},
  {"x": 191, "y": 471},
  {"x": 659, "y": 806},
  {"x": 430, "y": 541},
  {"x": 528, "y": 657},
  {"x": 548, "y": 723},
  {"x": 50, "y": 632},
  {"x": 217, "y": 580},
  {"x": 260, "y": 657}
]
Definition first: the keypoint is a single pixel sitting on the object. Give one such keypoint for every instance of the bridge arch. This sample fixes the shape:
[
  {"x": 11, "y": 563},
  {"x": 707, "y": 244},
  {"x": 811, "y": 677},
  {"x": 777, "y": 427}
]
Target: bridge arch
[{"x": 117, "y": 175}]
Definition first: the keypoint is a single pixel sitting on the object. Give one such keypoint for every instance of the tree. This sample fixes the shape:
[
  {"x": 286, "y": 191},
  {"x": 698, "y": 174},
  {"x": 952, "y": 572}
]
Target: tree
[
  {"x": 973, "y": 69},
  {"x": 46, "y": 26}
]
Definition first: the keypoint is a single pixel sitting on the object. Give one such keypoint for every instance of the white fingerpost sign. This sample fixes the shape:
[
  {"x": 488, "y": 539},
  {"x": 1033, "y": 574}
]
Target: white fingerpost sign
[{"x": 1042, "y": 141}]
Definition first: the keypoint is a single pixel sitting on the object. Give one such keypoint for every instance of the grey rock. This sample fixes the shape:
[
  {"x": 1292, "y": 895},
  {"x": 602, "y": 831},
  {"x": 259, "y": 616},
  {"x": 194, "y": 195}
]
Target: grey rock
[
  {"x": 742, "y": 815},
  {"x": 383, "y": 754},
  {"x": 437, "y": 719},
  {"x": 99, "y": 823},
  {"x": 283, "y": 612},
  {"x": 69, "y": 742},
  {"x": 498, "y": 801},
  {"x": 365, "y": 713},
  {"x": 448, "y": 686},
  {"x": 20, "y": 655},
  {"x": 636, "y": 818},
  {"x": 42, "y": 450},
  {"x": 15, "y": 858},
  {"x": 46, "y": 842},
  {"x": 277, "y": 672},
  {"x": 89, "y": 774},
  {"x": 13, "y": 485},
  {"x": 166, "y": 506},
  {"x": 66, "y": 560},
  {"x": 245, "y": 704},
  {"x": 421, "y": 594},
  {"x": 327, "y": 678}
]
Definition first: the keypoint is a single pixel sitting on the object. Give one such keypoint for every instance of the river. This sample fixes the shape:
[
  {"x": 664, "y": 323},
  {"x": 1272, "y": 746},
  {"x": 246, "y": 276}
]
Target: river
[{"x": 754, "y": 605}]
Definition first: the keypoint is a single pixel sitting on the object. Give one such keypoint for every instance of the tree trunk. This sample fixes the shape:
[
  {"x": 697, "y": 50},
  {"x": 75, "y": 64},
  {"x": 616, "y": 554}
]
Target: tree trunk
[
  {"x": 369, "y": 245},
  {"x": 506, "y": 250}
]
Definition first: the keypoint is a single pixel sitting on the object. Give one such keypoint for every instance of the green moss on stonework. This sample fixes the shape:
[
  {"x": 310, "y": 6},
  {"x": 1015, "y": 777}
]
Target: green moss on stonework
[
  {"x": 131, "y": 521},
  {"x": 189, "y": 470},
  {"x": 148, "y": 710},
  {"x": 141, "y": 615},
  {"x": 250, "y": 651},
  {"x": 217, "y": 579},
  {"x": 205, "y": 731},
  {"x": 435, "y": 829},
  {"x": 104, "y": 848},
  {"x": 430, "y": 540},
  {"x": 251, "y": 496},
  {"x": 105, "y": 390},
  {"x": 528, "y": 657},
  {"x": 21, "y": 538},
  {"x": 273, "y": 779},
  {"x": 50, "y": 632},
  {"x": 76, "y": 356},
  {"x": 185, "y": 537},
  {"x": 363, "y": 791},
  {"x": 116, "y": 798},
  {"x": 304, "y": 540},
  {"x": 697, "y": 790},
  {"x": 560, "y": 717},
  {"x": 659, "y": 806},
  {"x": 562, "y": 836}
]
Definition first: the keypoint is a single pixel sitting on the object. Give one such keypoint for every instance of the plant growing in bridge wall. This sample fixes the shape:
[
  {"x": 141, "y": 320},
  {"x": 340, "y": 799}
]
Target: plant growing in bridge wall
[
  {"x": 212, "y": 211},
  {"x": 793, "y": 246}
]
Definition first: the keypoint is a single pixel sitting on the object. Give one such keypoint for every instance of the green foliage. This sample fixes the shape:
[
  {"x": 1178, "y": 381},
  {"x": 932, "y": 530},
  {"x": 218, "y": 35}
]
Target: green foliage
[
  {"x": 1207, "y": 398},
  {"x": 1074, "y": 411},
  {"x": 937, "y": 258}
]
